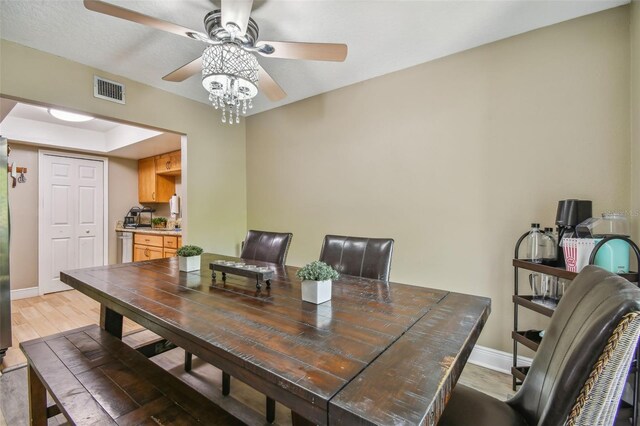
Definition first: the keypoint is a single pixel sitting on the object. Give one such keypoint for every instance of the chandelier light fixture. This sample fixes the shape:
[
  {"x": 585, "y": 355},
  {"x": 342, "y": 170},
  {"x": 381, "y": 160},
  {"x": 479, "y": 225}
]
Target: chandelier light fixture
[{"x": 230, "y": 75}]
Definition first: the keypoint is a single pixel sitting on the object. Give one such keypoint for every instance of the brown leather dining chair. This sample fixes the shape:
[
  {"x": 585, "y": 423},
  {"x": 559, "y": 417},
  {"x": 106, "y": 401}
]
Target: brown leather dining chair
[
  {"x": 358, "y": 256},
  {"x": 262, "y": 246},
  {"x": 579, "y": 371},
  {"x": 266, "y": 246}
]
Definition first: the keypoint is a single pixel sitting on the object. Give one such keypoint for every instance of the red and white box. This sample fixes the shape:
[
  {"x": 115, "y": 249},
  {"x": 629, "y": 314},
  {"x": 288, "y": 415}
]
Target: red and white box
[{"x": 577, "y": 252}]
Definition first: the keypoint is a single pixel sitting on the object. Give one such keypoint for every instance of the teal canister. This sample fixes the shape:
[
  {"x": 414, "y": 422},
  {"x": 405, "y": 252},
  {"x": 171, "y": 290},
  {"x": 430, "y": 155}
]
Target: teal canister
[{"x": 613, "y": 255}]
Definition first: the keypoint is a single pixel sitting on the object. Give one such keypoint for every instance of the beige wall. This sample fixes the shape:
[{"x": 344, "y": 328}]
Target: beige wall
[
  {"x": 23, "y": 207},
  {"x": 123, "y": 193},
  {"x": 635, "y": 116},
  {"x": 216, "y": 184},
  {"x": 453, "y": 158}
]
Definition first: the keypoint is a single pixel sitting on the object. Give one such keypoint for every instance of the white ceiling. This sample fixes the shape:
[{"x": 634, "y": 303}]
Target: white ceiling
[
  {"x": 31, "y": 112},
  {"x": 383, "y": 35},
  {"x": 34, "y": 125}
]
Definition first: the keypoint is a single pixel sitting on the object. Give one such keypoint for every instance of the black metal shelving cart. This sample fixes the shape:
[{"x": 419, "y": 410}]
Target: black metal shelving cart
[{"x": 521, "y": 337}]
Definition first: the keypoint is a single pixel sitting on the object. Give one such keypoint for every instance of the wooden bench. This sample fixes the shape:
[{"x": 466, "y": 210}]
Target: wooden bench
[{"x": 94, "y": 378}]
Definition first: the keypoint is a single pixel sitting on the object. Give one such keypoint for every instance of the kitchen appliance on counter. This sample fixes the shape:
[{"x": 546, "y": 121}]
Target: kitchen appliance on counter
[
  {"x": 134, "y": 218},
  {"x": 570, "y": 213}
]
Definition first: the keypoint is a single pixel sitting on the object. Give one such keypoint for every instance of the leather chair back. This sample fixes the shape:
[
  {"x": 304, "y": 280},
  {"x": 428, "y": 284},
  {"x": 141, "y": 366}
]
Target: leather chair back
[
  {"x": 585, "y": 318},
  {"x": 358, "y": 256},
  {"x": 266, "y": 246}
]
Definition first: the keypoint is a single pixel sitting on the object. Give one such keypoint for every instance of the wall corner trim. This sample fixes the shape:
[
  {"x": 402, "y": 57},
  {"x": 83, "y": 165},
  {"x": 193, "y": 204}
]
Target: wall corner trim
[
  {"x": 23, "y": 293},
  {"x": 495, "y": 360}
]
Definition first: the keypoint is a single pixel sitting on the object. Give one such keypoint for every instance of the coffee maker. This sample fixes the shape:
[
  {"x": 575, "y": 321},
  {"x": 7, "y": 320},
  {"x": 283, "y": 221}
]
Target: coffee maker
[
  {"x": 569, "y": 214},
  {"x": 132, "y": 219}
]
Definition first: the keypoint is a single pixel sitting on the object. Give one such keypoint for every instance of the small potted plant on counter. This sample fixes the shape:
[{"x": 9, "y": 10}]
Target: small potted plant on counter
[
  {"x": 316, "y": 281},
  {"x": 159, "y": 222},
  {"x": 189, "y": 258}
]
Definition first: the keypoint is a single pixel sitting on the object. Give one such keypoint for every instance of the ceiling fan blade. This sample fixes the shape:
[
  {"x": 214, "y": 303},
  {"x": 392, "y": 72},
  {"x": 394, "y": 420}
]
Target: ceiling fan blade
[
  {"x": 130, "y": 15},
  {"x": 236, "y": 12},
  {"x": 311, "y": 51},
  {"x": 269, "y": 87},
  {"x": 185, "y": 71}
]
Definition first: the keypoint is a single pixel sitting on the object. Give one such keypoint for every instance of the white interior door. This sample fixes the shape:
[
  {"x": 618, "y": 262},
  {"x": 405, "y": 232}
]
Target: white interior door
[{"x": 72, "y": 217}]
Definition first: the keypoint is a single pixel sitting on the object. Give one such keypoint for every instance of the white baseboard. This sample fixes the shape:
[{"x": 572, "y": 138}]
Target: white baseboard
[
  {"x": 23, "y": 293},
  {"x": 495, "y": 360}
]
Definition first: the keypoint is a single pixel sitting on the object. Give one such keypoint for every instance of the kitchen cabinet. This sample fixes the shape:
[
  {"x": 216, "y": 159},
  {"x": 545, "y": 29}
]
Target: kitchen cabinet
[
  {"x": 169, "y": 164},
  {"x": 152, "y": 187},
  {"x": 154, "y": 246},
  {"x": 141, "y": 252}
]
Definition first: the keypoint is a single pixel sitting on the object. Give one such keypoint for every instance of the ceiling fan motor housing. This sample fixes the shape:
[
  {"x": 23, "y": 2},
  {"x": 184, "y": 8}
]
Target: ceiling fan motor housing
[{"x": 216, "y": 31}]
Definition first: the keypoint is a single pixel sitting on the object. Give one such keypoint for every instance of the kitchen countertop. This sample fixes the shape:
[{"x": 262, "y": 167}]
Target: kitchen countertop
[{"x": 149, "y": 231}]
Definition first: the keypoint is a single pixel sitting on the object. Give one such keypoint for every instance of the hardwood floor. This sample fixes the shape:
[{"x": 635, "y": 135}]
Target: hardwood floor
[
  {"x": 53, "y": 313},
  {"x": 44, "y": 315}
]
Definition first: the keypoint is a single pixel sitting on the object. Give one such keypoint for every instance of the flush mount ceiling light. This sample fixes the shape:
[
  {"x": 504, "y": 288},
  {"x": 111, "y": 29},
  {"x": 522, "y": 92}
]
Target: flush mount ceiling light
[
  {"x": 229, "y": 67},
  {"x": 69, "y": 116}
]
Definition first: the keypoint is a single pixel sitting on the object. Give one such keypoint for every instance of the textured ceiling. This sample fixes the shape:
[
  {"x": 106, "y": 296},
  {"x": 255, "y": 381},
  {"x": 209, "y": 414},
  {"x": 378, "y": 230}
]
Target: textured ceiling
[{"x": 383, "y": 36}]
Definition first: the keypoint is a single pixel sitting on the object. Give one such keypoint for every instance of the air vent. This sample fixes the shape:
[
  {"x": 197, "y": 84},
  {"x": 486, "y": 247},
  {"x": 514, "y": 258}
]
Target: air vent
[{"x": 108, "y": 90}]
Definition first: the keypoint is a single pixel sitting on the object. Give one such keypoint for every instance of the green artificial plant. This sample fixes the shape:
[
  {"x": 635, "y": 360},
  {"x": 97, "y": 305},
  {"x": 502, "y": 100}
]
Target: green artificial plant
[
  {"x": 189, "y": 251},
  {"x": 317, "y": 271}
]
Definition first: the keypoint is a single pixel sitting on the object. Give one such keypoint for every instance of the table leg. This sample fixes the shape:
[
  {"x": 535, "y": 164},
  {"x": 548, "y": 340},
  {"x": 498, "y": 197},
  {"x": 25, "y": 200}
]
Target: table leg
[
  {"x": 37, "y": 400},
  {"x": 226, "y": 384},
  {"x": 111, "y": 321},
  {"x": 187, "y": 361},
  {"x": 271, "y": 410}
]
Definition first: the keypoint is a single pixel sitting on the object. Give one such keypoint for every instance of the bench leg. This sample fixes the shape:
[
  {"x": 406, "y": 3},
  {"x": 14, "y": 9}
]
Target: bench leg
[
  {"x": 111, "y": 321},
  {"x": 37, "y": 400},
  {"x": 188, "y": 357},
  {"x": 226, "y": 384},
  {"x": 271, "y": 410}
]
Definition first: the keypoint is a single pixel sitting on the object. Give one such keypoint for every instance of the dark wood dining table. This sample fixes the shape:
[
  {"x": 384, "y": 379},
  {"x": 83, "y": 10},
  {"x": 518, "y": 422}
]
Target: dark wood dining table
[{"x": 376, "y": 353}]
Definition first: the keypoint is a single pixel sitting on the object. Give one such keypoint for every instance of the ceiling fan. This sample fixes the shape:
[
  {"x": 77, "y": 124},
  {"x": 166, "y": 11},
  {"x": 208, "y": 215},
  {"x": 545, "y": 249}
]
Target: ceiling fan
[{"x": 230, "y": 71}]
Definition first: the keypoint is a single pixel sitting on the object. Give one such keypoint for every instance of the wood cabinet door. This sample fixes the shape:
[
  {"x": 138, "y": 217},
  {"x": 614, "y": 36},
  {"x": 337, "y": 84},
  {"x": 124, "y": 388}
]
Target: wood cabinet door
[
  {"x": 175, "y": 159},
  {"x": 155, "y": 252},
  {"x": 147, "y": 180},
  {"x": 170, "y": 252},
  {"x": 163, "y": 163},
  {"x": 142, "y": 252},
  {"x": 139, "y": 253},
  {"x": 169, "y": 163}
]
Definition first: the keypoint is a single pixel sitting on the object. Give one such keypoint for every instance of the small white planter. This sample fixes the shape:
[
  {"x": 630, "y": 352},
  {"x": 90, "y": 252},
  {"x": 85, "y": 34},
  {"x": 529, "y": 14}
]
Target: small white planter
[
  {"x": 316, "y": 291},
  {"x": 188, "y": 264}
]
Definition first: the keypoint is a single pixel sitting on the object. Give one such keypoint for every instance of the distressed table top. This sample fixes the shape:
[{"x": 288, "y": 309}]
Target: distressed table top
[{"x": 376, "y": 353}]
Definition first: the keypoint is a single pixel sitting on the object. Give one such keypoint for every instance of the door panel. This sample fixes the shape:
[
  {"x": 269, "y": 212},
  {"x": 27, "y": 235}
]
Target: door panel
[
  {"x": 87, "y": 205},
  {"x": 72, "y": 226},
  {"x": 86, "y": 251},
  {"x": 61, "y": 249}
]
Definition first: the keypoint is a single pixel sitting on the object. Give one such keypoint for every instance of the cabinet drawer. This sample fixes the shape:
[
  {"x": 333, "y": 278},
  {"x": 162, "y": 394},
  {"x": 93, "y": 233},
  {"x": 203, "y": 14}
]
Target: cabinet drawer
[
  {"x": 148, "y": 240},
  {"x": 179, "y": 242},
  {"x": 170, "y": 252},
  {"x": 171, "y": 242}
]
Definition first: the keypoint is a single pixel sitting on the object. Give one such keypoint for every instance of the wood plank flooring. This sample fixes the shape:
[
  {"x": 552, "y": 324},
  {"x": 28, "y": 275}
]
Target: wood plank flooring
[
  {"x": 53, "y": 313},
  {"x": 44, "y": 315}
]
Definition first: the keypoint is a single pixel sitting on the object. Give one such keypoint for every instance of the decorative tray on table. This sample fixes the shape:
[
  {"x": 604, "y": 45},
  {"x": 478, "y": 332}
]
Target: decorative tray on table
[{"x": 259, "y": 273}]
